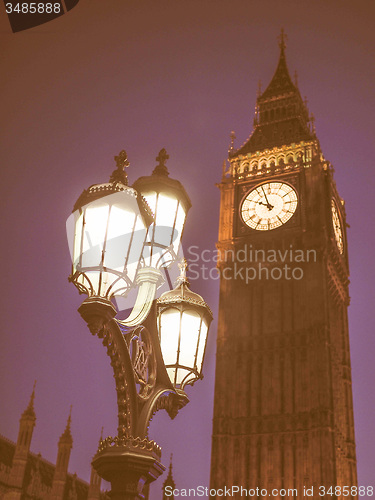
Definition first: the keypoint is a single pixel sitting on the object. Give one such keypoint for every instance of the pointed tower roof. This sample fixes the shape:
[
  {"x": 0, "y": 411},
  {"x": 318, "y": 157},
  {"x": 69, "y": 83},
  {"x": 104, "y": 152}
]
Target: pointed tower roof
[
  {"x": 281, "y": 116},
  {"x": 281, "y": 82},
  {"x": 66, "y": 436},
  {"x": 169, "y": 481},
  {"x": 30, "y": 412}
]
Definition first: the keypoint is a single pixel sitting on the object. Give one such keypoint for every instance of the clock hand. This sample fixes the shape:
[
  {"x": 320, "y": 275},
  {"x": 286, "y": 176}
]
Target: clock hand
[
  {"x": 265, "y": 195},
  {"x": 269, "y": 206}
]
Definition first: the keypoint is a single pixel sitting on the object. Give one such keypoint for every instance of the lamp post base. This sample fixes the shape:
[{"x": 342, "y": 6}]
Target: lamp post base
[{"x": 130, "y": 465}]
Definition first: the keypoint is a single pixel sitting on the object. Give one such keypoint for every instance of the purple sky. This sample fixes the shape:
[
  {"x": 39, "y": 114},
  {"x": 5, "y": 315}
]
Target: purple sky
[{"x": 140, "y": 76}]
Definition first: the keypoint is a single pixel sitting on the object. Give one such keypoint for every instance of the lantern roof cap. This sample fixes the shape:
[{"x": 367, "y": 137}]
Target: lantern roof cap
[
  {"x": 118, "y": 182},
  {"x": 160, "y": 181},
  {"x": 182, "y": 293},
  {"x": 97, "y": 191}
]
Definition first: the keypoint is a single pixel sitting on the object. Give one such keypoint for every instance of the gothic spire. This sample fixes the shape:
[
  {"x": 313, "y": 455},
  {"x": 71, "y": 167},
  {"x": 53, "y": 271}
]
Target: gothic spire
[
  {"x": 281, "y": 116},
  {"x": 281, "y": 82},
  {"x": 30, "y": 412},
  {"x": 170, "y": 468},
  {"x": 66, "y": 436},
  {"x": 169, "y": 482}
]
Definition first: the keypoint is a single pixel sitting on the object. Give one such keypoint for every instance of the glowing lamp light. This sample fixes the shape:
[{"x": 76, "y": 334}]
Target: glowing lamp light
[
  {"x": 106, "y": 232},
  {"x": 183, "y": 322},
  {"x": 170, "y": 204}
]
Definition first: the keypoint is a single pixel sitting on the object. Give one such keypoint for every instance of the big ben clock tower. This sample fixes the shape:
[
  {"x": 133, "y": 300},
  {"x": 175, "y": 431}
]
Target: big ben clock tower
[{"x": 283, "y": 412}]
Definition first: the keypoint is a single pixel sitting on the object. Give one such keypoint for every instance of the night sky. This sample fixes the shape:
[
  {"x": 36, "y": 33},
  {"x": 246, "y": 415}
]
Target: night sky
[{"x": 140, "y": 76}]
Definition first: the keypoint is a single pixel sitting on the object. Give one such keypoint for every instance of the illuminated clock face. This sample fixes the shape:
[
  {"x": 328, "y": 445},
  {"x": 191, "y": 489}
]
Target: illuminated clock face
[
  {"x": 269, "y": 205},
  {"x": 337, "y": 229}
]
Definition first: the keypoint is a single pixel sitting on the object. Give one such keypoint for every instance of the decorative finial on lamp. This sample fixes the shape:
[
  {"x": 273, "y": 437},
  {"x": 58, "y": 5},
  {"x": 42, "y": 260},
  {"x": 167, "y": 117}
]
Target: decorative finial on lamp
[
  {"x": 119, "y": 175},
  {"x": 161, "y": 169},
  {"x": 182, "y": 267}
]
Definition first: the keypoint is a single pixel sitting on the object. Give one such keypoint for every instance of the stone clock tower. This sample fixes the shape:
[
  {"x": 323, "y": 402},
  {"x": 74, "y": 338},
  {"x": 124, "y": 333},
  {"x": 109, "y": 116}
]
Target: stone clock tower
[{"x": 283, "y": 412}]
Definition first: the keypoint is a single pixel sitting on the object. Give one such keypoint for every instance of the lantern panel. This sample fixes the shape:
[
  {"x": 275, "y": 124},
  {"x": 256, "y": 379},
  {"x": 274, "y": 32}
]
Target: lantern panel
[
  {"x": 202, "y": 344},
  {"x": 94, "y": 233},
  {"x": 169, "y": 335},
  {"x": 165, "y": 213},
  {"x": 78, "y": 227},
  {"x": 190, "y": 327},
  {"x": 165, "y": 234},
  {"x": 180, "y": 222},
  {"x": 136, "y": 248},
  {"x": 121, "y": 226}
]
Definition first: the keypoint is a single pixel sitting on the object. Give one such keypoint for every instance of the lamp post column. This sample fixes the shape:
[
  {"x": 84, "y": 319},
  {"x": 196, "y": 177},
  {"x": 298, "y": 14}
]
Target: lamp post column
[{"x": 130, "y": 461}]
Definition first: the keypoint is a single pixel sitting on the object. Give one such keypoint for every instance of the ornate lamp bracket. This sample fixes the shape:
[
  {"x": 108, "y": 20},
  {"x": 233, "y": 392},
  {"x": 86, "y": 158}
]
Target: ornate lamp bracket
[{"x": 142, "y": 383}]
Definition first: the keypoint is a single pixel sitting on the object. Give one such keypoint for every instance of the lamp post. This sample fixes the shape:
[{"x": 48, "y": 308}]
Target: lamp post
[{"x": 117, "y": 243}]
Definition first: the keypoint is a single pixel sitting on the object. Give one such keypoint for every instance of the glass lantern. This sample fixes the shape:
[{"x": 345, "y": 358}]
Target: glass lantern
[
  {"x": 107, "y": 232},
  {"x": 183, "y": 322},
  {"x": 170, "y": 204}
]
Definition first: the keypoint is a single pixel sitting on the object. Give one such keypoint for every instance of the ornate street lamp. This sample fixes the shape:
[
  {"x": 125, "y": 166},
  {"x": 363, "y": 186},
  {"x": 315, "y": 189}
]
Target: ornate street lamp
[
  {"x": 117, "y": 243},
  {"x": 183, "y": 322}
]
